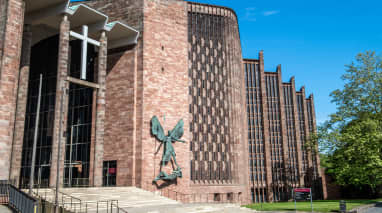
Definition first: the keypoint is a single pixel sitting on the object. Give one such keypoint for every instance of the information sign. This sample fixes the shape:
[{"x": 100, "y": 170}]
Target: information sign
[{"x": 302, "y": 194}]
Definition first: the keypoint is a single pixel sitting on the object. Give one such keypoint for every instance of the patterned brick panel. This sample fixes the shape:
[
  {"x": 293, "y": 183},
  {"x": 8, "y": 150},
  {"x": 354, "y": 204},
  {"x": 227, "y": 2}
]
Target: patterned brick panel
[{"x": 215, "y": 85}]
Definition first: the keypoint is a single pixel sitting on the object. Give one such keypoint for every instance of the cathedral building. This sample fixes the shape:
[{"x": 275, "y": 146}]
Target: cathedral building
[{"x": 109, "y": 66}]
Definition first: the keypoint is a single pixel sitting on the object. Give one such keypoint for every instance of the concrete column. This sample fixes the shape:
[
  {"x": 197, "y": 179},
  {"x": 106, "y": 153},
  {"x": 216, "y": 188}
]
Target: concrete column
[
  {"x": 22, "y": 96},
  {"x": 61, "y": 111},
  {"x": 100, "y": 113},
  {"x": 11, "y": 41},
  {"x": 267, "y": 145},
  {"x": 297, "y": 133}
]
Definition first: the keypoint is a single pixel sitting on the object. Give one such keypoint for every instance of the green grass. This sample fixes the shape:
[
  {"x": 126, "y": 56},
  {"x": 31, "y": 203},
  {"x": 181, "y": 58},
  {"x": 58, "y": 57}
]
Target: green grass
[{"x": 318, "y": 206}]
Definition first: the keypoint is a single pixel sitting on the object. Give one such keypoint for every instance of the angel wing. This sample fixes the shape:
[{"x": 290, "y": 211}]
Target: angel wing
[
  {"x": 178, "y": 131},
  {"x": 156, "y": 129}
]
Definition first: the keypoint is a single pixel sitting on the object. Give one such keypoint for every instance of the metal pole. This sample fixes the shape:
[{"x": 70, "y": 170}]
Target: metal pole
[
  {"x": 59, "y": 148},
  {"x": 70, "y": 157},
  {"x": 39, "y": 180},
  {"x": 31, "y": 178},
  {"x": 311, "y": 202}
]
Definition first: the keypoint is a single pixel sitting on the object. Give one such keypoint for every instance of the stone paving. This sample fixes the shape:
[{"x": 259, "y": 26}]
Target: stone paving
[
  {"x": 135, "y": 200},
  {"x": 4, "y": 209},
  {"x": 376, "y": 209}
]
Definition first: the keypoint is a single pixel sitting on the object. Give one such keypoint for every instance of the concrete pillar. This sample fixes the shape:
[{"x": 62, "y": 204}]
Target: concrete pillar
[
  {"x": 22, "y": 96},
  {"x": 100, "y": 113},
  {"x": 61, "y": 111},
  {"x": 297, "y": 133},
  {"x": 11, "y": 41},
  {"x": 267, "y": 146}
]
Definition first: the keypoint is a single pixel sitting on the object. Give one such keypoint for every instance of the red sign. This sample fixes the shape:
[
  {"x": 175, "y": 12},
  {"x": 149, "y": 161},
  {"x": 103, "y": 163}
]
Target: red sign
[
  {"x": 302, "y": 190},
  {"x": 112, "y": 170}
]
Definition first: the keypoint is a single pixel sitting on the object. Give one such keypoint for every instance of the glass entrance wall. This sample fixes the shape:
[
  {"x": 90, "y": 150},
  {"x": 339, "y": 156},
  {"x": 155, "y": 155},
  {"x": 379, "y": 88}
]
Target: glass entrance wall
[
  {"x": 44, "y": 59},
  {"x": 77, "y": 157},
  {"x": 79, "y": 123}
]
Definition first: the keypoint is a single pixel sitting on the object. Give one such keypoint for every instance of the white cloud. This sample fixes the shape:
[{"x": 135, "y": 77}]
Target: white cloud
[
  {"x": 250, "y": 14},
  {"x": 271, "y": 12}
]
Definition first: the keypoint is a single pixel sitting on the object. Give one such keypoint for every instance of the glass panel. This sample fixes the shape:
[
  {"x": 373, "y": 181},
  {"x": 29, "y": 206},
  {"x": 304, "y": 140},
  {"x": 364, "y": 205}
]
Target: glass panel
[{"x": 44, "y": 57}]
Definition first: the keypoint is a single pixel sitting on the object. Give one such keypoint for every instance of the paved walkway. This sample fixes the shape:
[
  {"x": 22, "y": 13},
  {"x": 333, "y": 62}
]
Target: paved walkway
[
  {"x": 376, "y": 209},
  {"x": 191, "y": 208},
  {"x": 4, "y": 209},
  {"x": 135, "y": 200}
]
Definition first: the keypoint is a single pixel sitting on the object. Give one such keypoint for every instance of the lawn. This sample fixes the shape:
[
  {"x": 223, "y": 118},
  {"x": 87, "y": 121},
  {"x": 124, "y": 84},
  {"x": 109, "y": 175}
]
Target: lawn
[{"x": 318, "y": 206}]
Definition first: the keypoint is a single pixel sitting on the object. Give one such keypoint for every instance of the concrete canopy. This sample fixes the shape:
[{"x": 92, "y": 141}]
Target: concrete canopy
[{"x": 45, "y": 18}]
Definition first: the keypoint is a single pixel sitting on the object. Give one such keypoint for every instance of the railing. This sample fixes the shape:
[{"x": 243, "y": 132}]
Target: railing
[
  {"x": 4, "y": 192},
  {"x": 76, "y": 205},
  {"x": 17, "y": 199}
]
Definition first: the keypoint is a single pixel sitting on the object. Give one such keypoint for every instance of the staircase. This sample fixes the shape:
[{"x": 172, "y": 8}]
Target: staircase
[
  {"x": 103, "y": 199},
  {"x": 128, "y": 199}
]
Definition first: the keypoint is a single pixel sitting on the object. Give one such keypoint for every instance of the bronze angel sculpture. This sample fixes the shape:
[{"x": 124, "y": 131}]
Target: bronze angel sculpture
[{"x": 168, "y": 149}]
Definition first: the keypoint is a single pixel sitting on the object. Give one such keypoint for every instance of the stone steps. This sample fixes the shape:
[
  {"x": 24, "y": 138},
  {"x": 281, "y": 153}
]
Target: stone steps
[{"x": 132, "y": 200}]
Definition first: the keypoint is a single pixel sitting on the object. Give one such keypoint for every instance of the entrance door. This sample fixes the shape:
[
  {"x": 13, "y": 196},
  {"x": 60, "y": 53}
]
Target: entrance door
[
  {"x": 109, "y": 173},
  {"x": 77, "y": 158}
]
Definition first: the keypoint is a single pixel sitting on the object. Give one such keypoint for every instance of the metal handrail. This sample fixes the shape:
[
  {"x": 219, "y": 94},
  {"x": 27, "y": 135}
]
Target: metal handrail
[
  {"x": 77, "y": 205},
  {"x": 17, "y": 199}
]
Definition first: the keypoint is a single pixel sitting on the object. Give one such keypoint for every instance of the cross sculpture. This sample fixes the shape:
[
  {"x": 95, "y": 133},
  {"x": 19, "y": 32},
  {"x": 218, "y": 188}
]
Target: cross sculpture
[{"x": 85, "y": 40}]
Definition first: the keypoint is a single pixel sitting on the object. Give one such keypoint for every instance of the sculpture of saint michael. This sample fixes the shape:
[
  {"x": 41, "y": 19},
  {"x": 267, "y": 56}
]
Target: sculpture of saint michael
[{"x": 168, "y": 149}]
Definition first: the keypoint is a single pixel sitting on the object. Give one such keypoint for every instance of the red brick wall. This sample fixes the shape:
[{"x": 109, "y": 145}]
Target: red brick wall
[
  {"x": 165, "y": 83},
  {"x": 124, "y": 88},
  {"x": 22, "y": 94},
  {"x": 119, "y": 126},
  {"x": 152, "y": 79},
  {"x": 9, "y": 74}
]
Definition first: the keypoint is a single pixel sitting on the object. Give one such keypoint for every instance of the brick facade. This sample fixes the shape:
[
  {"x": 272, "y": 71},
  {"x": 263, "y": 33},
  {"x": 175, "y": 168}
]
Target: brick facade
[
  {"x": 186, "y": 65},
  {"x": 11, "y": 40},
  {"x": 284, "y": 113},
  {"x": 61, "y": 107},
  {"x": 142, "y": 82},
  {"x": 21, "y": 104}
]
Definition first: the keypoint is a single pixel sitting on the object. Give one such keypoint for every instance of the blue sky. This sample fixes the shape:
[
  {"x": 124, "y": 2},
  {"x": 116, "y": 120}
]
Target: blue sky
[{"x": 311, "y": 39}]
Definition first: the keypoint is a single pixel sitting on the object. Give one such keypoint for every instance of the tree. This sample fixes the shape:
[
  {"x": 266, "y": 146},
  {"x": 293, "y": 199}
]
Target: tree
[
  {"x": 352, "y": 138},
  {"x": 362, "y": 91},
  {"x": 359, "y": 159}
]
